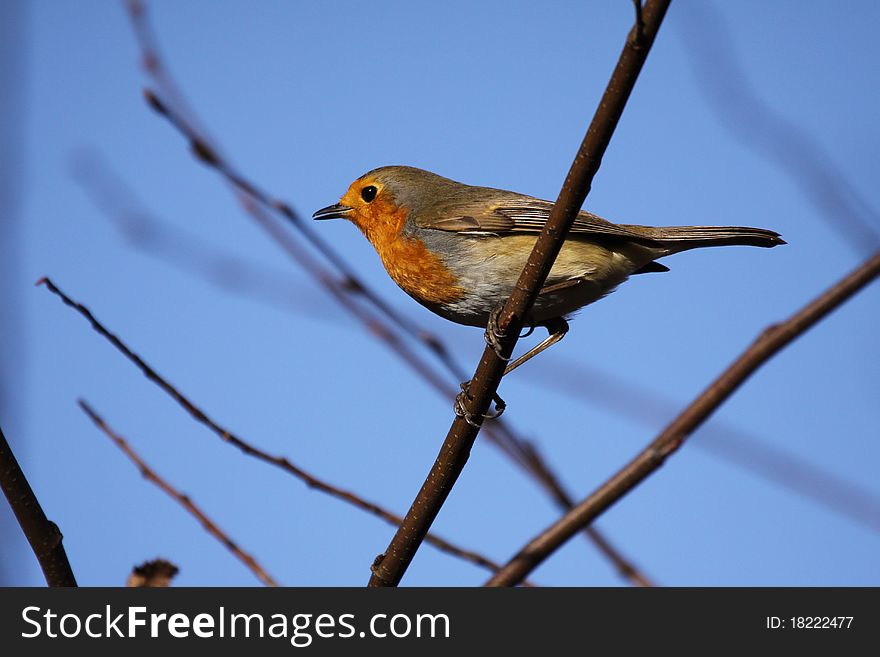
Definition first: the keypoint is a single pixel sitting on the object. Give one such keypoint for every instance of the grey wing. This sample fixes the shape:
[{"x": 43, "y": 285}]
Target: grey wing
[
  {"x": 533, "y": 214},
  {"x": 513, "y": 214}
]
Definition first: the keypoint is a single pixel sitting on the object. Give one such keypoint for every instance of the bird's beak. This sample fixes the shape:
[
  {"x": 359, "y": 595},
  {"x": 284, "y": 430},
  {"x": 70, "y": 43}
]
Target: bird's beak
[{"x": 336, "y": 211}]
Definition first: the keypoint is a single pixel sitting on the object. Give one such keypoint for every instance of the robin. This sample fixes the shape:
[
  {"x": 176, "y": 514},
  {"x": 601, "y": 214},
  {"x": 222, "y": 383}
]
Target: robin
[{"x": 458, "y": 249}]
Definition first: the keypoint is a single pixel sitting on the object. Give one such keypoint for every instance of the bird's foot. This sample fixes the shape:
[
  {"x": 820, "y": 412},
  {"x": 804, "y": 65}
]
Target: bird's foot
[
  {"x": 461, "y": 411},
  {"x": 494, "y": 334}
]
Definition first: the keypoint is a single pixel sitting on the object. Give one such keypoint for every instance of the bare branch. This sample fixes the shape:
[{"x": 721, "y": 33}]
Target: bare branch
[
  {"x": 279, "y": 461},
  {"x": 389, "y": 568},
  {"x": 150, "y": 475},
  {"x": 771, "y": 341},
  {"x": 42, "y": 534}
]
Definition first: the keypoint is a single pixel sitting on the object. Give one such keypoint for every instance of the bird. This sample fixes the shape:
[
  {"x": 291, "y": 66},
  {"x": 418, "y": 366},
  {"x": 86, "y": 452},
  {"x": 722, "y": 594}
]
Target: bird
[{"x": 459, "y": 249}]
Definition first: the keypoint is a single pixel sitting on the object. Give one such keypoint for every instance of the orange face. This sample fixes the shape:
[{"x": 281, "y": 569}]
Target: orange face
[
  {"x": 370, "y": 206},
  {"x": 373, "y": 212}
]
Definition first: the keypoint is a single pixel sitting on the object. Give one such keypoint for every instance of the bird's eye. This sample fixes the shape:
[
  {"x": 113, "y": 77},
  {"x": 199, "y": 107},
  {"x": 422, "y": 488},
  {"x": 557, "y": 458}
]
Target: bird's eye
[{"x": 369, "y": 193}]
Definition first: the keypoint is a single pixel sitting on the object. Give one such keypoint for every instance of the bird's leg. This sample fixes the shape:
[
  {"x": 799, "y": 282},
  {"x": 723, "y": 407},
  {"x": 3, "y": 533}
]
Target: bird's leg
[
  {"x": 493, "y": 339},
  {"x": 556, "y": 327},
  {"x": 495, "y": 334},
  {"x": 563, "y": 285},
  {"x": 556, "y": 330}
]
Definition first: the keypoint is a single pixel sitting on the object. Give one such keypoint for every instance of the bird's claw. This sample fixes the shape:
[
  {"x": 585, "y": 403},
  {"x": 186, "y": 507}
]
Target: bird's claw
[
  {"x": 494, "y": 335},
  {"x": 461, "y": 411}
]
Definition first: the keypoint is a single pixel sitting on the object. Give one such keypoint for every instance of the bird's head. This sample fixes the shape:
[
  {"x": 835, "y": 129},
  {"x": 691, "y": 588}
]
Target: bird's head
[{"x": 381, "y": 200}]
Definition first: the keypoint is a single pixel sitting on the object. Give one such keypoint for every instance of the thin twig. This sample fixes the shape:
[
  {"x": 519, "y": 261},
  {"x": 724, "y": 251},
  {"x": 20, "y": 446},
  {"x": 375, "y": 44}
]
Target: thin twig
[
  {"x": 153, "y": 65},
  {"x": 150, "y": 475},
  {"x": 279, "y": 461},
  {"x": 42, "y": 534},
  {"x": 767, "y": 344},
  {"x": 389, "y": 568},
  {"x": 255, "y": 200}
]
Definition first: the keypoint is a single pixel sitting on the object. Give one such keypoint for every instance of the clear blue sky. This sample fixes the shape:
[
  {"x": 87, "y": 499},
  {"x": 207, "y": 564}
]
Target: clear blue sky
[{"x": 305, "y": 97}]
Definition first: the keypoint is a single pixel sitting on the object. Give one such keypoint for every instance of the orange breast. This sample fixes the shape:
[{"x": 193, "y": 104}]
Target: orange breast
[{"x": 408, "y": 261}]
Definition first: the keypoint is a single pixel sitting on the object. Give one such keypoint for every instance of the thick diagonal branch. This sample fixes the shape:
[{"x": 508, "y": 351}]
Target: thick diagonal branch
[
  {"x": 43, "y": 534},
  {"x": 389, "y": 567},
  {"x": 772, "y": 340}
]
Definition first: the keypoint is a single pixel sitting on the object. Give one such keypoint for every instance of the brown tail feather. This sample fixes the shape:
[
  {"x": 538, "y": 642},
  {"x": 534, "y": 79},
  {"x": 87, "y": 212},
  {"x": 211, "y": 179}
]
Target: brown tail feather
[{"x": 691, "y": 237}]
